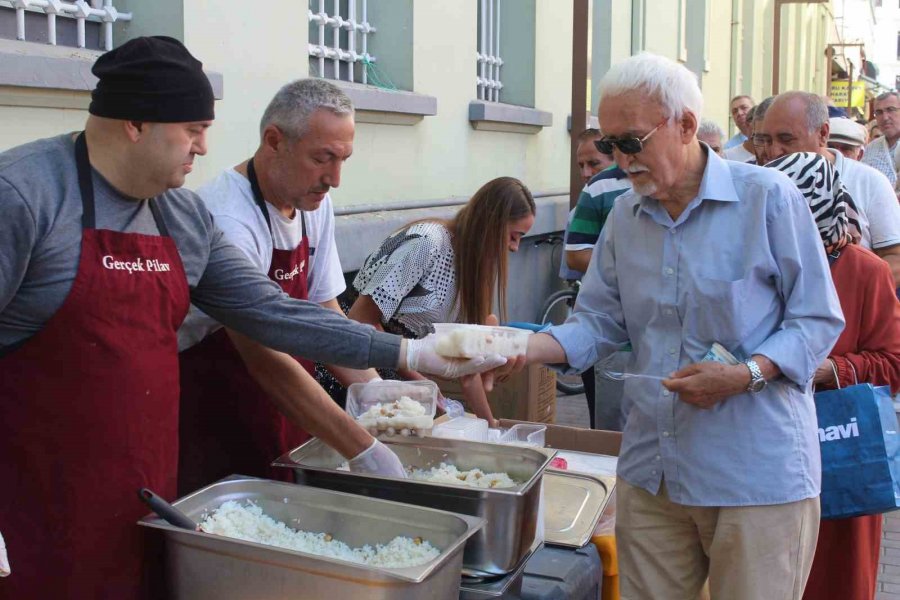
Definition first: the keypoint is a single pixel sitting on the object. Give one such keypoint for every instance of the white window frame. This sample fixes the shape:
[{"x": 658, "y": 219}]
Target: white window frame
[
  {"x": 682, "y": 31},
  {"x": 101, "y": 11},
  {"x": 335, "y": 51}
]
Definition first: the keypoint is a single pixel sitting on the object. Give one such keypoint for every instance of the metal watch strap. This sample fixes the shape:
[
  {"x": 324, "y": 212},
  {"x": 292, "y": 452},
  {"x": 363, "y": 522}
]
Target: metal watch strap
[{"x": 755, "y": 374}]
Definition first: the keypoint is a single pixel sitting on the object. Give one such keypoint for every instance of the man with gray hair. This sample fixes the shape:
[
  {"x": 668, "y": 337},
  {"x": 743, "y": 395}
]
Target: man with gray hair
[
  {"x": 275, "y": 207},
  {"x": 881, "y": 153},
  {"x": 713, "y": 270},
  {"x": 711, "y": 134},
  {"x": 798, "y": 122}
]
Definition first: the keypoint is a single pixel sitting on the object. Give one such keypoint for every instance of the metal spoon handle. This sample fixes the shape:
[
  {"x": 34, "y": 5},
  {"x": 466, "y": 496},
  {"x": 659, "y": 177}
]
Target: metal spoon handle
[
  {"x": 166, "y": 510},
  {"x": 621, "y": 376}
]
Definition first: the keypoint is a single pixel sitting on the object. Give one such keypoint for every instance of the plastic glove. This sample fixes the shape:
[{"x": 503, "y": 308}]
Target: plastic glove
[
  {"x": 4, "y": 561},
  {"x": 377, "y": 459},
  {"x": 420, "y": 356}
]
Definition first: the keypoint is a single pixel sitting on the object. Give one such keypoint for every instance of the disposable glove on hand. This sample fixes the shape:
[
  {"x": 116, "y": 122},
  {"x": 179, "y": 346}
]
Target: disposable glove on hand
[
  {"x": 377, "y": 459},
  {"x": 420, "y": 356},
  {"x": 4, "y": 561}
]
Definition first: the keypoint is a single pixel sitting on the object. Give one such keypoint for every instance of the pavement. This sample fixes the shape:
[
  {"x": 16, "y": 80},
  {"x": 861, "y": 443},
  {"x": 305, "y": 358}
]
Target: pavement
[{"x": 572, "y": 410}]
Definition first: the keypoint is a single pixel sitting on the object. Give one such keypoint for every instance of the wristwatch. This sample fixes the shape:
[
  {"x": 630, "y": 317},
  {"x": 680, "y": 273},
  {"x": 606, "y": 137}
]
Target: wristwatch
[{"x": 757, "y": 381}]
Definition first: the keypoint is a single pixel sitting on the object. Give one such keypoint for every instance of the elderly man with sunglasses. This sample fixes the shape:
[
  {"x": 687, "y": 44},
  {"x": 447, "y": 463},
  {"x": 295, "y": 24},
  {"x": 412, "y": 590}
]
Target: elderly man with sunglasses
[{"x": 703, "y": 261}]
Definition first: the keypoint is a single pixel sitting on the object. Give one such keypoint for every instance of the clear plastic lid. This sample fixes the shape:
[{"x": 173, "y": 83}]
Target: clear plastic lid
[
  {"x": 457, "y": 340},
  {"x": 393, "y": 407},
  {"x": 462, "y": 428},
  {"x": 524, "y": 435}
]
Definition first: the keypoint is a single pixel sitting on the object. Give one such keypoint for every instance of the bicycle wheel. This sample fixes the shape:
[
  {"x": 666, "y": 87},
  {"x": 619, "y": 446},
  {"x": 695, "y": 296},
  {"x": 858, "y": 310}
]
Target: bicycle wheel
[{"x": 556, "y": 310}]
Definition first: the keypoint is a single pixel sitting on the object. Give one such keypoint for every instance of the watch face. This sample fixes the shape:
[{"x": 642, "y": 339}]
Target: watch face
[{"x": 757, "y": 385}]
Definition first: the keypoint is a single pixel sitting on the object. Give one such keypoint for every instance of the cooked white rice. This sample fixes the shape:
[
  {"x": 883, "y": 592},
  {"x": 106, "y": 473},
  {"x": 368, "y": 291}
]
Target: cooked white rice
[
  {"x": 404, "y": 413},
  {"x": 474, "y": 477},
  {"x": 249, "y": 523}
]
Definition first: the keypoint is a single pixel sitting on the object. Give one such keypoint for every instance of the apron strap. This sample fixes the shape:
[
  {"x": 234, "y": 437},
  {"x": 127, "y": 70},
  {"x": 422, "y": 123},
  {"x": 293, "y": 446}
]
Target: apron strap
[
  {"x": 85, "y": 183},
  {"x": 86, "y": 187},
  {"x": 261, "y": 202},
  {"x": 158, "y": 217},
  {"x": 257, "y": 194}
]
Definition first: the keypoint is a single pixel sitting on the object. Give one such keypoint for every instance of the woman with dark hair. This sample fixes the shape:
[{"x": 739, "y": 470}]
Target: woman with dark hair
[
  {"x": 445, "y": 271},
  {"x": 846, "y": 560}
]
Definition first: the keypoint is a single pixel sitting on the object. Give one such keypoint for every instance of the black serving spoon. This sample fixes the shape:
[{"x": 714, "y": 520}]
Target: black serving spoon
[{"x": 167, "y": 511}]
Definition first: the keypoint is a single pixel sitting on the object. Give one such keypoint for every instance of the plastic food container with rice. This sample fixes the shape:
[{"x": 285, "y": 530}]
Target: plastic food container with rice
[
  {"x": 389, "y": 408},
  {"x": 207, "y": 566},
  {"x": 456, "y": 340},
  {"x": 511, "y": 512}
]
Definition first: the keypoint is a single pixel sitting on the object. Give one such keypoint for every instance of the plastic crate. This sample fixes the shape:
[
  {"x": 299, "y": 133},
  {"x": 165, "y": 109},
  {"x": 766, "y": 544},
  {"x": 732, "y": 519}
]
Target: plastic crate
[{"x": 563, "y": 574}]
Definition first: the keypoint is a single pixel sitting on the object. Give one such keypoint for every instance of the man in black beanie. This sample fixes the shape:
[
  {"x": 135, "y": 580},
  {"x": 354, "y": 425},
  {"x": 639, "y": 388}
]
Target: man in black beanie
[{"x": 101, "y": 253}]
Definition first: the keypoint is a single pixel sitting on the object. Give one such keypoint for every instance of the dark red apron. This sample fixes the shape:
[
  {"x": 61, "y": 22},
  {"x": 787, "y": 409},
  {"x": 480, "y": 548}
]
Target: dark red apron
[
  {"x": 228, "y": 424},
  {"x": 89, "y": 414}
]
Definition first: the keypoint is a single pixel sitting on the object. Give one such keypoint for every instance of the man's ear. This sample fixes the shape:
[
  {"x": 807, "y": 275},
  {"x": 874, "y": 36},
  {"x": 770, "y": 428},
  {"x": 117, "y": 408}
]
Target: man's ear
[
  {"x": 273, "y": 139},
  {"x": 824, "y": 132},
  {"x": 134, "y": 130},
  {"x": 689, "y": 126}
]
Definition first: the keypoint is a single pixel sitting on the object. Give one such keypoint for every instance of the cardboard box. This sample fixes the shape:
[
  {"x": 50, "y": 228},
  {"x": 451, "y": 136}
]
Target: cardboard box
[
  {"x": 595, "y": 441},
  {"x": 529, "y": 395}
]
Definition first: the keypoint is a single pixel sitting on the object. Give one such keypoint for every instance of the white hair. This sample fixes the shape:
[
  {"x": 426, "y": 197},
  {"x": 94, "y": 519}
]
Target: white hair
[
  {"x": 710, "y": 127},
  {"x": 671, "y": 84}
]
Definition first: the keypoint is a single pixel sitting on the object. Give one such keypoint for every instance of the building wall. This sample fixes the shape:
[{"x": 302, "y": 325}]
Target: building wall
[
  {"x": 257, "y": 54},
  {"x": 726, "y": 42},
  {"x": 886, "y": 54},
  {"x": 440, "y": 156}
]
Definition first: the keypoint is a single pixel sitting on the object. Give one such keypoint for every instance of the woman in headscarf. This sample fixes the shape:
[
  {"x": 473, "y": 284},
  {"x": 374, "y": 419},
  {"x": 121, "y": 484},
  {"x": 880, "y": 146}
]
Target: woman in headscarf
[{"x": 846, "y": 560}]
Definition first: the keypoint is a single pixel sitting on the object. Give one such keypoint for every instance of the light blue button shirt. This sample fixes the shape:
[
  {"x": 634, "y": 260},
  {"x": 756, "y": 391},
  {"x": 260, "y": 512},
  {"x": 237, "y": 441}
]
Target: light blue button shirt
[
  {"x": 744, "y": 266},
  {"x": 735, "y": 140}
]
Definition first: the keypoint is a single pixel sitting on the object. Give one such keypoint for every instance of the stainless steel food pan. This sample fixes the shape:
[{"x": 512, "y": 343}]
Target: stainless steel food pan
[
  {"x": 511, "y": 513},
  {"x": 204, "y": 566}
]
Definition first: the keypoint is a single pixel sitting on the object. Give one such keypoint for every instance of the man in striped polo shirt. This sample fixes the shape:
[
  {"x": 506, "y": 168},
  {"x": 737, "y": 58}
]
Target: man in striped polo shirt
[{"x": 594, "y": 205}]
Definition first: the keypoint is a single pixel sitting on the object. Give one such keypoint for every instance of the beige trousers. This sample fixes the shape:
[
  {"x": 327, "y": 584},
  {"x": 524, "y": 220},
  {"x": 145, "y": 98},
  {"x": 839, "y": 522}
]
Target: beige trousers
[{"x": 667, "y": 550}]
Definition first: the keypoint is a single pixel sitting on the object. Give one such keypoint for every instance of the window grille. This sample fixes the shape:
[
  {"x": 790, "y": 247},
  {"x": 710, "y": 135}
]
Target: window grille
[
  {"x": 347, "y": 56},
  {"x": 489, "y": 61},
  {"x": 100, "y": 11}
]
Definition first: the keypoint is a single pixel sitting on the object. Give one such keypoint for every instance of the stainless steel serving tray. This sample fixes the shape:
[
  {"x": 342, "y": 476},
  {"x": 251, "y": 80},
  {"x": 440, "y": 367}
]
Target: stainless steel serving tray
[
  {"x": 506, "y": 587},
  {"x": 573, "y": 504},
  {"x": 203, "y": 566},
  {"x": 511, "y": 513}
]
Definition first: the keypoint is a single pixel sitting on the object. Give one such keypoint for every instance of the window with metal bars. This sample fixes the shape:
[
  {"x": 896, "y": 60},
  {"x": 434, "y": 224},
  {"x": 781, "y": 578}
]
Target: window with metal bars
[
  {"x": 504, "y": 70},
  {"x": 77, "y": 23},
  {"x": 489, "y": 61},
  {"x": 339, "y": 36}
]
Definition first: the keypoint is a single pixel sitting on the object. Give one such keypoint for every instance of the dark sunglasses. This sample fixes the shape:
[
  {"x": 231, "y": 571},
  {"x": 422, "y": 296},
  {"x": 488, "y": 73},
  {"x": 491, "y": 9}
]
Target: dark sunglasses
[{"x": 628, "y": 145}]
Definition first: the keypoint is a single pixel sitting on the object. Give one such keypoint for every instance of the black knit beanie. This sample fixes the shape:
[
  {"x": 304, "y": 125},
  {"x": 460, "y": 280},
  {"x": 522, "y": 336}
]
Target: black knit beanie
[{"x": 151, "y": 79}]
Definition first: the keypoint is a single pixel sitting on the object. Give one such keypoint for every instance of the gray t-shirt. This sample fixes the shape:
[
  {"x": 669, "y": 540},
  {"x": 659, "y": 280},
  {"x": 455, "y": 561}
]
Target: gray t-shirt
[{"x": 40, "y": 246}]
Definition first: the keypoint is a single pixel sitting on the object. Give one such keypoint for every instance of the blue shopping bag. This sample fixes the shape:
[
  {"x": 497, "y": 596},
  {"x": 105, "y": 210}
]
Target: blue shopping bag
[{"x": 858, "y": 435}]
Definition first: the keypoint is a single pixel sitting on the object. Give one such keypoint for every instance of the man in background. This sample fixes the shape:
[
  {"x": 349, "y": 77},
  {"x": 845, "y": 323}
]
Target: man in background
[
  {"x": 881, "y": 151},
  {"x": 798, "y": 122},
  {"x": 740, "y": 106},
  {"x": 711, "y": 134},
  {"x": 847, "y": 137}
]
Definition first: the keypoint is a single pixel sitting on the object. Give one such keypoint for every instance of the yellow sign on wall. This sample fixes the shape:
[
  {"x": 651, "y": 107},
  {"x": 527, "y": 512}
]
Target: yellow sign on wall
[{"x": 839, "y": 93}]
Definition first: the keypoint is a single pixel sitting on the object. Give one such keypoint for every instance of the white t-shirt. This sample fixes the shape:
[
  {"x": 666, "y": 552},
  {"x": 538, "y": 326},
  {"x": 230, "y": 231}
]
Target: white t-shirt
[
  {"x": 739, "y": 153},
  {"x": 230, "y": 200},
  {"x": 879, "y": 212}
]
